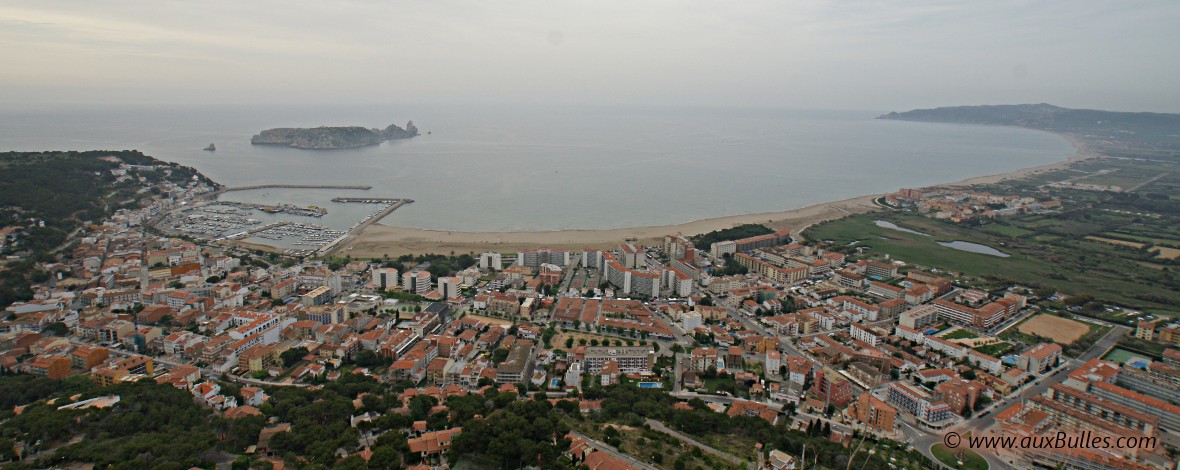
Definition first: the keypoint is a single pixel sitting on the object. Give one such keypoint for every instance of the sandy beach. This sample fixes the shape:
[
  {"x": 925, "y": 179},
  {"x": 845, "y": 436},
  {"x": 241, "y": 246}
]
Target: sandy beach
[
  {"x": 379, "y": 240},
  {"x": 382, "y": 240}
]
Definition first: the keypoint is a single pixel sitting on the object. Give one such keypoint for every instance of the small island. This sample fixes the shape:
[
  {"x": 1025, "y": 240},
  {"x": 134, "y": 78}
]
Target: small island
[{"x": 332, "y": 138}]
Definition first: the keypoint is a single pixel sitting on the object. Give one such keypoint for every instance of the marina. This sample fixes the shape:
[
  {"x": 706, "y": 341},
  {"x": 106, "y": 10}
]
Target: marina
[{"x": 283, "y": 225}]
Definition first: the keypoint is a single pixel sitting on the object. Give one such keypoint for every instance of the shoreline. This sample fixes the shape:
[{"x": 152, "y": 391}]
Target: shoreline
[{"x": 379, "y": 240}]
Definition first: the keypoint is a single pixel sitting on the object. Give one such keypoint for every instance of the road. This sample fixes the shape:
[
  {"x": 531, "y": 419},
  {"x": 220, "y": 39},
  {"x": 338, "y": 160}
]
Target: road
[
  {"x": 677, "y": 372},
  {"x": 659, "y": 426},
  {"x": 1104, "y": 344}
]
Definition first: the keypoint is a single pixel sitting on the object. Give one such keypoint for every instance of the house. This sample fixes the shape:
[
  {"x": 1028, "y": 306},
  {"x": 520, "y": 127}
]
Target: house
[
  {"x": 609, "y": 375},
  {"x": 433, "y": 443},
  {"x": 253, "y": 396}
]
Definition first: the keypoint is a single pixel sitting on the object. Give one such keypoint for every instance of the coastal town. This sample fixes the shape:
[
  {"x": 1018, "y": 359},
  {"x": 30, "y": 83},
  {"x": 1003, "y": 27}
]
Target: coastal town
[{"x": 803, "y": 335}]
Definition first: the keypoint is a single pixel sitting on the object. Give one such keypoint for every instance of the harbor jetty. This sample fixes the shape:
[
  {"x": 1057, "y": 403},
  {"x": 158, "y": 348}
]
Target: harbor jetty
[{"x": 356, "y": 229}]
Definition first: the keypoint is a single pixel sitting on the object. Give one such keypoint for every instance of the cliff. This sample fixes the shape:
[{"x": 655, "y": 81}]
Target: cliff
[
  {"x": 393, "y": 132},
  {"x": 328, "y": 138}
]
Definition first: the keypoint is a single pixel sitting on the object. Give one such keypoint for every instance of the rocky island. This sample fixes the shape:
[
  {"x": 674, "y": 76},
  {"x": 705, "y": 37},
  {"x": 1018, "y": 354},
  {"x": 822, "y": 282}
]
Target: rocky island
[{"x": 331, "y": 138}]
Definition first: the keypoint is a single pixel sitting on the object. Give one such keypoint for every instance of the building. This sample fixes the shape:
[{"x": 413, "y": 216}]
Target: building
[
  {"x": 449, "y": 286},
  {"x": 318, "y": 296},
  {"x": 433, "y": 443},
  {"x": 504, "y": 304},
  {"x": 280, "y": 290},
  {"x": 720, "y": 249},
  {"x": 874, "y": 413},
  {"x": 609, "y": 374},
  {"x": 631, "y": 359},
  {"x": 1169, "y": 414},
  {"x": 1039, "y": 358},
  {"x": 918, "y": 318},
  {"x": 53, "y": 367},
  {"x": 493, "y": 261},
  {"x": 385, "y": 278},
  {"x": 867, "y": 334},
  {"x": 416, "y": 282},
  {"x": 960, "y": 394},
  {"x": 763, "y": 241},
  {"x": 831, "y": 387},
  {"x": 86, "y": 357},
  {"x": 927, "y": 409},
  {"x": 518, "y": 367}
]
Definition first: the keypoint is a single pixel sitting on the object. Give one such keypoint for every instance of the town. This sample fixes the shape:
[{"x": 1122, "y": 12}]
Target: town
[{"x": 794, "y": 332}]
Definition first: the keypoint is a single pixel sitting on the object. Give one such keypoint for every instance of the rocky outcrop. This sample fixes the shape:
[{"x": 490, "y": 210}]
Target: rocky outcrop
[
  {"x": 329, "y": 138},
  {"x": 393, "y": 132}
]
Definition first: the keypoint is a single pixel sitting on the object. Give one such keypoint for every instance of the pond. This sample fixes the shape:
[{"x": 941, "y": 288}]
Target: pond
[
  {"x": 974, "y": 248},
  {"x": 893, "y": 226}
]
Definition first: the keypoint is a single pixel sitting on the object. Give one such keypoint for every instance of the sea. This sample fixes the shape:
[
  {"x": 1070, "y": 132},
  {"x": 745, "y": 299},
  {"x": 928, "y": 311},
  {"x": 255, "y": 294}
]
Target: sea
[{"x": 549, "y": 167}]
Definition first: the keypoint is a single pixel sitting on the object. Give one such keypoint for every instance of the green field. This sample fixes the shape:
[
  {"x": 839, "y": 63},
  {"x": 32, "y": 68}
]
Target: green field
[
  {"x": 996, "y": 349},
  {"x": 1052, "y": 256},
  {"x": 960, "y": 334},
  {"x": 1006, "y": 230}
]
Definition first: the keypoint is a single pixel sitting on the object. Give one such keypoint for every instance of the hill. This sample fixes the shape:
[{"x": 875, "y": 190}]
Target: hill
[
  {"x": 1145, "y": 131},
  {"x": 46, "y": 195}
]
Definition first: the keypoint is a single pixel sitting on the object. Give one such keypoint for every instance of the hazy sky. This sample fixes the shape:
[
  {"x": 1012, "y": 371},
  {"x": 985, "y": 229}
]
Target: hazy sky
[{"x": 886, "y": 55}]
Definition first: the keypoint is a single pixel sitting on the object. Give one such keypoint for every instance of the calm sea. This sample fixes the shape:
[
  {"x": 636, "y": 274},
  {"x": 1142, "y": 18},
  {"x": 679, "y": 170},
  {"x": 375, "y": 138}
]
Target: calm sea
[{"x": 528, "y": 168}]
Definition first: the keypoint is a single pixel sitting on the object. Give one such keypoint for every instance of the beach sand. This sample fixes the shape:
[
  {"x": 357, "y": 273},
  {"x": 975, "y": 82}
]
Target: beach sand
[{"x": 379, "y": 240}]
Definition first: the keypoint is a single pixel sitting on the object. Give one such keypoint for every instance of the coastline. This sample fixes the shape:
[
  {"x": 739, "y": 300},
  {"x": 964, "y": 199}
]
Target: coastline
[{"x": 379, "y": 240}]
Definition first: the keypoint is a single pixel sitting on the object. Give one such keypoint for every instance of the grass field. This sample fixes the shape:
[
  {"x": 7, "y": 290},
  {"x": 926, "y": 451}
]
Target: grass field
[
  {"x": 960, "y": 334},
  {"x": 1055, "y": 256},
  {"x": 1006, "y": 230},
  {"x": 1169, "y": 253},
  {"x": 1063, "y": 331},
  {"x": 1137, "y": 246},
  {"x": 996, "y": 349}
]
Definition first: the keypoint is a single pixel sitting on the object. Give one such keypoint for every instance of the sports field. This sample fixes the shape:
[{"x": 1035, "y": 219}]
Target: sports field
[{"x": 1062, "y": 330}]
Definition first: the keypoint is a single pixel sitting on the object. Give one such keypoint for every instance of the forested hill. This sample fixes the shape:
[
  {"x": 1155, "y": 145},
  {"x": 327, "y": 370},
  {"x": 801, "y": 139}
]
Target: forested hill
[
  {"x": 65, "y": 188},
  {"x": 1156, "y": 131}
]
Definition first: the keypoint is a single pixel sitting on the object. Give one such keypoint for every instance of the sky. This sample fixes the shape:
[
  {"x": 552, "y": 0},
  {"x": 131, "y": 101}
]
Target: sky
[{"x": 804, "y": 54}]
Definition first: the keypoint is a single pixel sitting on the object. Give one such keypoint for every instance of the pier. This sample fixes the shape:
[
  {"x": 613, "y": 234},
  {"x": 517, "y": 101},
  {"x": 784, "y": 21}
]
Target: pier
[
  {"x": 293, "y": 186},
  {"x": 248, "y": 233},
  {"x": 356, "y": 230},
  {"x": 215, "y": 194},
  {"x": 370, "y": 200}
]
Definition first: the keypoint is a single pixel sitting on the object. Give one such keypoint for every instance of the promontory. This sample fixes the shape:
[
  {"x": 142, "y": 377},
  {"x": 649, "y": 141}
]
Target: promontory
[{"x": 330, "y": 138}]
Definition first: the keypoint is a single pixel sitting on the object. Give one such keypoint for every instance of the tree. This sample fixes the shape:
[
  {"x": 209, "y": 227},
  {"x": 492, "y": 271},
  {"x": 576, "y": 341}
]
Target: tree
[
  {"x": 569, "y": 342},
  {"x": 56, "y": 329},
  {"x": 292, "y": 356},
  {"x": 499, "y": 355}
]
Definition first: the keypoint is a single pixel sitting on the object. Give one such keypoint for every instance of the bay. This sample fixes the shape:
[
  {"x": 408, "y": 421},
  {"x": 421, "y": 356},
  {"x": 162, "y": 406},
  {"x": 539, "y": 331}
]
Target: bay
[{"x": 537, "y": 168}]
